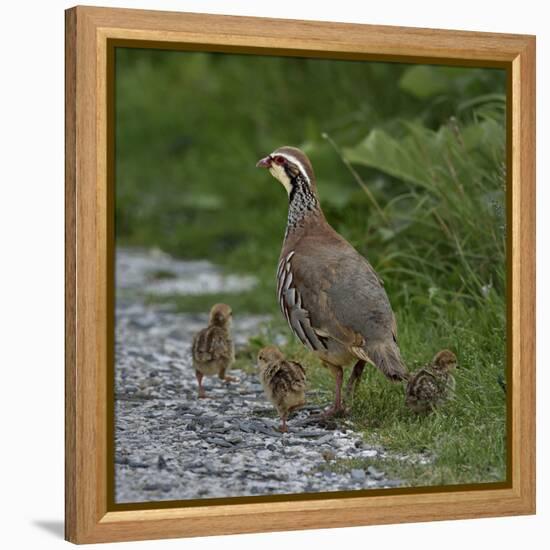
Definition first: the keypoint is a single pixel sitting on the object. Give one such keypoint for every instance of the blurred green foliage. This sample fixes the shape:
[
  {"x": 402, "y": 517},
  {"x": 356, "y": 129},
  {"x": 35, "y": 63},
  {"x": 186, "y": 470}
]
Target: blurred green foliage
[
  {"x": 410, "y": 163},
  {"x": 191, "y": 126}
]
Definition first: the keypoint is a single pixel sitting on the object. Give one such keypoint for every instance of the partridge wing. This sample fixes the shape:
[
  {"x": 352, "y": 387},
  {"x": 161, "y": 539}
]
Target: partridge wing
[
  {"x": 292, "y": 307},
  {"x": 317, "y": 295}
]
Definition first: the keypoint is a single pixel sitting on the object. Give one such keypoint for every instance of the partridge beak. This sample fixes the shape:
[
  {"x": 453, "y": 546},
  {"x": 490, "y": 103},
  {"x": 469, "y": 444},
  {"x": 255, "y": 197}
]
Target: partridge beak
[{"x": 264, "y": 163}]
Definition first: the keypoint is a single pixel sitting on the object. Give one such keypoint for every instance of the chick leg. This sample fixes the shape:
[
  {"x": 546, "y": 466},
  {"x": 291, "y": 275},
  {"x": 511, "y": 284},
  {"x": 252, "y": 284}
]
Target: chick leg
[
  {"x": 199, "y": 376},
  {"x": 226, "y": 378},
  {"x": 283, "y": 427},
  {"x": 354, "y": 379}
]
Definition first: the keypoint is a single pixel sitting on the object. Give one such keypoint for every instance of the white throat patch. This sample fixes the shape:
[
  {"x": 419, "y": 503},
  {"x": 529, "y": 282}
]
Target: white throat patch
[{"x": 278, "y": 171}]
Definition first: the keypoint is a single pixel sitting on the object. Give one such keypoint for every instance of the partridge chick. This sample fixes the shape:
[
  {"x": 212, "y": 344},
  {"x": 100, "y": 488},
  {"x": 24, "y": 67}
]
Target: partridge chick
[
  {"x": 284, "y": 382},
  {"x": 332, "y": 298},
  {"x": 213, "y": 350},
  {"x": 433, "y": 385}
]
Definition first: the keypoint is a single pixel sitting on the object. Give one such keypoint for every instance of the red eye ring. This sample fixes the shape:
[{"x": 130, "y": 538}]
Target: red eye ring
[{"x": 278, "y": 159}]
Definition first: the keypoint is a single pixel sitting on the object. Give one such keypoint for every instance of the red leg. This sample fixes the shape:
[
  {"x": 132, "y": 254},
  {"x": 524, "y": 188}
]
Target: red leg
[
  {"x": 337, "y": 407},
  {"x": 354, "y": 379},
  {"x": 199, "y": 376},
  {"x": 283, "y": 428}
]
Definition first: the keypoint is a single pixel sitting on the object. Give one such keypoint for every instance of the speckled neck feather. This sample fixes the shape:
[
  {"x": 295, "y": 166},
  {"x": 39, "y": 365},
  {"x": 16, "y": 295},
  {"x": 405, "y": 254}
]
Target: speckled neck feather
[{"x": 302, "y": 204}]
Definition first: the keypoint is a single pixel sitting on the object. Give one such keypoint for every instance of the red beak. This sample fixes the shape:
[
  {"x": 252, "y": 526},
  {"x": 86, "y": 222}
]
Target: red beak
[{"x": 264, "y": 163}]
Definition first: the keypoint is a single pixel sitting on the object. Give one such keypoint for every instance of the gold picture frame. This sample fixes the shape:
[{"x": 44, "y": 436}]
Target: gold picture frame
[{"x": 91, "y": 36}]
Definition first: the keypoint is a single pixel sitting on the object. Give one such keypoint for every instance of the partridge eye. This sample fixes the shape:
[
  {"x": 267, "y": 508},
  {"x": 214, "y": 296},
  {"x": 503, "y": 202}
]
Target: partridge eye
[{"x": 279, "y": 159}]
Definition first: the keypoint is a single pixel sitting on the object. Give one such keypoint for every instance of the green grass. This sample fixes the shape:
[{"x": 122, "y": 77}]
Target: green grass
[
  {"x": 241, "y": 302},
  {"x": 410, "y": 163}
]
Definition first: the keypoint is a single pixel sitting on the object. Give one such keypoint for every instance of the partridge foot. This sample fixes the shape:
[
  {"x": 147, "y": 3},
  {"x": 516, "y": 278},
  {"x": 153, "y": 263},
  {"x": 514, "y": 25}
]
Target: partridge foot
[
  {"x": 327, "y": 416},
  {"x": 335, "y": 412}
]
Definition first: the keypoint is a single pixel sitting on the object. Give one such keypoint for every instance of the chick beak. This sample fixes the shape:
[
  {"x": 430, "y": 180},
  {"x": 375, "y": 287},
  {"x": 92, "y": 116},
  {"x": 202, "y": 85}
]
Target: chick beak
[{"x": 264, "y": 163}]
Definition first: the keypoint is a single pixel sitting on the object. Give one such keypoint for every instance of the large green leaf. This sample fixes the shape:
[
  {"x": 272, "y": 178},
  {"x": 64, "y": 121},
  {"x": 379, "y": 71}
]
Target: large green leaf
[
  {"x": 429, "y": 158},
  {"x": 423, "y": 82}
]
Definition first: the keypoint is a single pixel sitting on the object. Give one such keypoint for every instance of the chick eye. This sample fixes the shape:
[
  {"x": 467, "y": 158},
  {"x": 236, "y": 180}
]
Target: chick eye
[{"x": 278, "y": 159}]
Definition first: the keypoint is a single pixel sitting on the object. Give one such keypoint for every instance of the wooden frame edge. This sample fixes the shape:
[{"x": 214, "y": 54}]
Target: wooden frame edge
[
  {"x": 71, "y": 500},
  {"x": 234, "y": 519},
  {"x": 87, "y": 517},
  {"x": 526, "y": 396}
]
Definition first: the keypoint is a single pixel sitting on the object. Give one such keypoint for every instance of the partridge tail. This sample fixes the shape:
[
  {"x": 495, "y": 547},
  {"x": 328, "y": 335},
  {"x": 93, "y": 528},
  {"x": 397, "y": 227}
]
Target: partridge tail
[{"x": 387, "y": 358}]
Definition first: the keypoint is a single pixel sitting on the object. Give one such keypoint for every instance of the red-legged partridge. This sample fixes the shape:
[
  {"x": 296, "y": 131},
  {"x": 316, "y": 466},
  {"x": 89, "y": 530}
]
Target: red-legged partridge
[
  {"x": 433, "y": 385},
  {"x": 213, "y": 350},
  {"x": 284, "y": 382},
  {"x": 330, "y": 295}
]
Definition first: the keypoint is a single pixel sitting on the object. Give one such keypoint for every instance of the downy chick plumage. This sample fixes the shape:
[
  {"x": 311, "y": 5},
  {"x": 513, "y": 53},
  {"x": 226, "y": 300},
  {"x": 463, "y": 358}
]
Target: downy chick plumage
[
  {"x": 433, "y": 385},
  {"x": 213, "y": 350},
  {"x": 284, "y": 382}
]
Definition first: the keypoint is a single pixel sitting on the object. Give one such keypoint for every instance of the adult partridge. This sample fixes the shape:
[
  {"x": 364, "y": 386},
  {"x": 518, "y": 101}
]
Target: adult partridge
[
  {"x": 330, "y": 295},
  {"x": 432, "y": 386},
  {"x": 213, "y": 351}
]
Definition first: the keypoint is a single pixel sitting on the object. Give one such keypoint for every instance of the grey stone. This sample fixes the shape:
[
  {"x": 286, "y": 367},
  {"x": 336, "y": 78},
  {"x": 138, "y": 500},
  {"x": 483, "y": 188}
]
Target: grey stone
[
  {"x": 358, "y": 474},
  {"x": 135, "y": 463},
  {"x": 308, "y": 433},
  {"x": 142, "y": 324},
  {"x": 153, "y": 486},
  {"x": 218, "y": 441},
  {"x": 374, "y": 473},
  {"x": 390, "y": 483},
  {"x": 325, "y": 439}
]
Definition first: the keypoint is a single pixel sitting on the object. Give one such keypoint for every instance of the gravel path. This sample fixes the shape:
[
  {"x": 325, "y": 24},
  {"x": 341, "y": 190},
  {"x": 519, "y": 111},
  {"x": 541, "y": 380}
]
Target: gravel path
[{"x": 172, "y": 446}]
